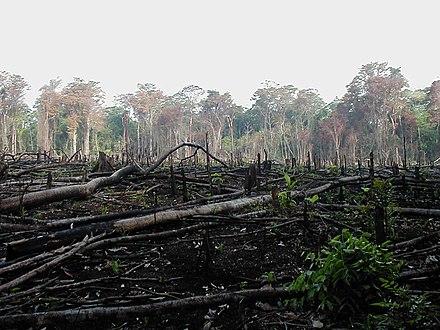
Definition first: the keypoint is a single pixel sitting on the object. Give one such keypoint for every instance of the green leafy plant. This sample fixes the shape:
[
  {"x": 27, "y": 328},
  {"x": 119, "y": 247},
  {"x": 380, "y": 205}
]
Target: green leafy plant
[
  {"x": 399, "y": 309},
  {"x": 345, "y": 278},
  {"x": 284, "y": 196},
  {"x": 217, "y": 178},
  {"x": 290, "y": 184},
  {"x": 220, "y": 247},
  {"x": 104, "y": 209},
  {"x": 332, "y": 169},
  {"x": 313, "y": 199},
  {"x": 116, "y": 266},
  {"x": 270, "y": 277}
]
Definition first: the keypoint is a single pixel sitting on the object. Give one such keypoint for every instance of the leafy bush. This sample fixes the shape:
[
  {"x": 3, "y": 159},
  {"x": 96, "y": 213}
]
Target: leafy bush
[
  {"x": 346, "y": 278},
  {"x": 355, "y": 277}
]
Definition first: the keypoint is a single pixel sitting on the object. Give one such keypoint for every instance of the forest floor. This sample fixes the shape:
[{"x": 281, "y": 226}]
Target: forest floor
[{"x": 157, "y": 277}]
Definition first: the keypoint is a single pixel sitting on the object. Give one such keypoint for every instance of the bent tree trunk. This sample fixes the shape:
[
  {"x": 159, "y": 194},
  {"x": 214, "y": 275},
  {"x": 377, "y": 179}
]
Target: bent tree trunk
[
  {"x": 79, "y": 191},
  {"x": 49, "y": 196}
]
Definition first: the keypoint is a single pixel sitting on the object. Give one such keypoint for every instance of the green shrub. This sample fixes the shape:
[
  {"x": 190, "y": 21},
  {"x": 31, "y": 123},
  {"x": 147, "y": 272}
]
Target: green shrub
[
  {"x": 357, "y": 278},
  {"x": 346, "y": 278}
]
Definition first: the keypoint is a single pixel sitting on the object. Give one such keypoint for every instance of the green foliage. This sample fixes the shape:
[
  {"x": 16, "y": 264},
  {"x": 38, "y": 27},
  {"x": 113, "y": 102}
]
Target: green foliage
[
  {"x": 104, "y": 209},
  {"x": 290, "y": 184},
  {"x": 270, "y": 277},
  {"x": 332, "y": 169},
  {"x": 220, "y": 247},
  {"x": 379, "y": 194},
  {"x": 284, "y": 196},
  {"x": 313, "y": 199},
  {"x": 401, "y": 310},
  {"x": 345, "y": 279},
  {"x": 116, "y": 266},
  {"x": 217, "y": 178}
]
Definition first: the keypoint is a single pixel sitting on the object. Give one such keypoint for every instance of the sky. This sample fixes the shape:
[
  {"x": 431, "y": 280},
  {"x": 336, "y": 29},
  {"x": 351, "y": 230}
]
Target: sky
[{"x": 225, "y": 45}]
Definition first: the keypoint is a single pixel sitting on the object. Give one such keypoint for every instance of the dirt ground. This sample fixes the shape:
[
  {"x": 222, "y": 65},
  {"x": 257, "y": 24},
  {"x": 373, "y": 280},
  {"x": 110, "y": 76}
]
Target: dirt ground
[{"x": 258, "y": 248}]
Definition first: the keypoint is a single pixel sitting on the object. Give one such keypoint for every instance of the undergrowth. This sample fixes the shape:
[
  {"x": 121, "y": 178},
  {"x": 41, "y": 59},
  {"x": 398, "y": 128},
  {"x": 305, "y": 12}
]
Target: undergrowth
[{"x": 356, "y": 279}]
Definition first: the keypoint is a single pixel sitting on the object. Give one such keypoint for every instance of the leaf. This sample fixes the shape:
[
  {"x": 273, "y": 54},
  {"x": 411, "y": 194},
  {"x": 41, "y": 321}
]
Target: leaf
[
  {"x": 287, "y": 179},
  {"x": 313, "y": 199}
]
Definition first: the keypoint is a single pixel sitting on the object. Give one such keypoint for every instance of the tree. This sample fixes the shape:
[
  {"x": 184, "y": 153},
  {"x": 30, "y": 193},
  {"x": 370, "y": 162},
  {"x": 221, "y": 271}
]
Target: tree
[
  {"x": 83, "y": 101},
  {"x": 289, "y": 115},
  {"x": 375, "y": 102},
  {"x": 334, "y": 126},
  {"x": 147, "y": 103},
  {"x": 303, "y": 115},
  {"x": 266, "y": 105},
  {"x": 126, "y": 102},
  {"x": 214, "y": 111},
  {"x": 12, "y": 108},
  {"x": 49, "y": 106},
  {"x": 189, "y": 99},
  {"x": 434, "y": 106}
]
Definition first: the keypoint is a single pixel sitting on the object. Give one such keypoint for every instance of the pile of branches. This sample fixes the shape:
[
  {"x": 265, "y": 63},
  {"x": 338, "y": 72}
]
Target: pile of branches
[{"x": 93, "y": 268}]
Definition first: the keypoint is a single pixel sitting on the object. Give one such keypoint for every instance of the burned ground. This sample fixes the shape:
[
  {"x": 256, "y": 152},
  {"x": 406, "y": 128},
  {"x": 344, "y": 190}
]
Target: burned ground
[{"x": 163, "y": 275}]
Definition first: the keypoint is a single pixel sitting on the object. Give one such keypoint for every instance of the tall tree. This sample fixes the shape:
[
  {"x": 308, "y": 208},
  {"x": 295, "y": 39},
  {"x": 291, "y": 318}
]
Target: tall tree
[
  {"x": 375, "y": 102},
  {"x": 146, "y": 103},
  {"x": 266, "y": 104},
  {"x": 49, "y": 107},
  {"x": 189, "y": 99},
  {"x": 214, "y": 111},
  {"x": 12, "y": 108},
  {"x": 334, "y": 126},
  {"x": 126, "y": 102},
  {"x": 82, "y": 101}
]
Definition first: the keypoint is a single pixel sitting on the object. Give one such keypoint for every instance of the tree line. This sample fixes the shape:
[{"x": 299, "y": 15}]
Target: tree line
[{"x": 377, "y": 113}]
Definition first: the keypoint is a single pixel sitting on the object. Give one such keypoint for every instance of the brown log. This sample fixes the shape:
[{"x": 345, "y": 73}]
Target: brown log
[
  {"x": 42, "y": 268},
  {"x": 129, "y": 312},
  {"x": 414, "y": 273},
  {"x": 58, "y": 194},
  {"x": 45, "y": 243},
  {"x": 414, "y": 241},
  {"x": 80, "y": 191}
]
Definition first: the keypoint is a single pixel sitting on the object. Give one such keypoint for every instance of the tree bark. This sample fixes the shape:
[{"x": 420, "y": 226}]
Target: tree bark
[{"x": 49, "y": 196}]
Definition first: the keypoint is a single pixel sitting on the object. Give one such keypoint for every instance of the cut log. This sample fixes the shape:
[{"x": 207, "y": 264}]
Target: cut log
[
  {"x": 82, "y": 190},
  {"x": 42, "y": 268},
  {"x": 129, "y": 312},
  {"x": 45, "y": 243},
  {"x": 58, "y": 194}
]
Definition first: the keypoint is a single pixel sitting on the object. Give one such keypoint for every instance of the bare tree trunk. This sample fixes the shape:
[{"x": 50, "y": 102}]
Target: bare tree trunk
[
  {"x": 13, "y": 139},
  {"x": 4, "y": 135},
  {"x": 86, "y": 137}
]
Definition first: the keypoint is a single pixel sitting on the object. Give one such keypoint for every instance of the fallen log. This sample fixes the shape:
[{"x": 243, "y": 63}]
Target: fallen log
[
  {"x": 53, "y": 195},
  {"x": 414, "y": 273},
  {"x": 78, "y": 315},
  {"x": 44, "y": 243},
  {"x": 42, "y": 268},
  {"x": 82, "y": 190},
  {"x": 414, "y": 241}
]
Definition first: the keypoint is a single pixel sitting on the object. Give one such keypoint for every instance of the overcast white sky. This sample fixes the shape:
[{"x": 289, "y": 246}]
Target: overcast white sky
[{"x": 226, "y": 45}]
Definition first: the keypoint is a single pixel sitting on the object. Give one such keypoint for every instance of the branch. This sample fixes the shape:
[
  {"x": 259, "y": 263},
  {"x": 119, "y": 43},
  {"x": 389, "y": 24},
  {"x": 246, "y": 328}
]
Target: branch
[
  {"x": 42, "y": 268},
  {"x": 128, "y": 312}
]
